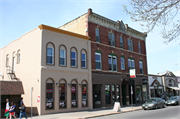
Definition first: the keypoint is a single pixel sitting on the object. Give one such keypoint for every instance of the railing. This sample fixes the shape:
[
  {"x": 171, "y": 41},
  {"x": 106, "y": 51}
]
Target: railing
[{"x": 10, "y": 72}]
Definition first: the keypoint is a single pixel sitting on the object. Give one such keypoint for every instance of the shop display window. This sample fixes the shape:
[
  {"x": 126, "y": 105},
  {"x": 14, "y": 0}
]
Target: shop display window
[
  {"x": 84, "y": 94},
  {"x": 49, "y": 94},
  {"x": 74, "y": 94},
  {"x": 138, "y": 94},
  {"x": 117, "y": 93},
  {"x": 108, "y": 94},
  {"x": 144, "y": 92},
  {"x": 113, "y": 94},
  {"x": 62, "y": 94}
]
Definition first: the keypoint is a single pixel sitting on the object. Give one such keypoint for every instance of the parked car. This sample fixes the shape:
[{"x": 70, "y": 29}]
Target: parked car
[
  {"x": 154, "y": 103},
  {"x": 174, "y": 100}
]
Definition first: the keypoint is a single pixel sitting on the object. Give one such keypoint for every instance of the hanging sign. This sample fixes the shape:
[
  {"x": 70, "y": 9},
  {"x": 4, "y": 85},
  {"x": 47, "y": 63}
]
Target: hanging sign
[
  {"x": 38, "y": 99},
  {"x": 117, "y": 107},
  {"x": 73, "y": 89},
  {"x": 132, "y": 73}
]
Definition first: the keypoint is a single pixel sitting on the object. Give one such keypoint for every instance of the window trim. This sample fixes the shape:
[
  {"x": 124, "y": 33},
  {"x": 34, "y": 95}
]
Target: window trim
[
  {"x": 76, "y": 54},
  {"x": 98, "y": 53},
  {"x": 62, "y": 45},
  {"x": 97, "y": 35},
  {"x": 112, "y": 56},
  {"x": 53, "y": 54},
  {"x": 86, "y": 59}
]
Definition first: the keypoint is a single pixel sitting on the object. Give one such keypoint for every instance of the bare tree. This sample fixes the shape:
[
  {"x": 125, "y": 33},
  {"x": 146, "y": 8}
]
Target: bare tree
[{"x": 163, "y": 13}]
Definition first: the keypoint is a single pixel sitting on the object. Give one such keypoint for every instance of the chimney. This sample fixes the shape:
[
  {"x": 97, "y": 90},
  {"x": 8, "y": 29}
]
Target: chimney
[{"x": 89, "y": 11}]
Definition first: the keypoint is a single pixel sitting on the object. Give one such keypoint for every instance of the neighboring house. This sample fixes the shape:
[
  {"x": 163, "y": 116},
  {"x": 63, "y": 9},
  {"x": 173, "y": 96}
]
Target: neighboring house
[
  {"x": 115, "y": 49},
  {"x": 155, "y": 86},
  {"x": 55, "y": 64}
]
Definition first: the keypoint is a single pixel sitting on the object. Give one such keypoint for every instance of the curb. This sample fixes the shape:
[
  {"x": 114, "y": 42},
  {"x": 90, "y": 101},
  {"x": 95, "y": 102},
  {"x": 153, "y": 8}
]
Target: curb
[{"x": 110, "y": 113}]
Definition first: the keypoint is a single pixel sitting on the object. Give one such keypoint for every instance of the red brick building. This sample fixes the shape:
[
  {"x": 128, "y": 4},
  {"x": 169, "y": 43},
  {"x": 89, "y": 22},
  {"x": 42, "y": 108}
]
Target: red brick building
[{"x": 115, "y": 48}]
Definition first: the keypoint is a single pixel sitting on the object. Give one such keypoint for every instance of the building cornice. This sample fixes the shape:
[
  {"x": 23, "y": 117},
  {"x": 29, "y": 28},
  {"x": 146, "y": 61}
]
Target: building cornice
[{"x": 63, "y": 31}]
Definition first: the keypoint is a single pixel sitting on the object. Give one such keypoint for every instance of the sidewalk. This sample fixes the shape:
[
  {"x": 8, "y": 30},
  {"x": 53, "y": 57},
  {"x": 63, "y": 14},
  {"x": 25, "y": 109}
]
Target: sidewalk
[{"x": 86, "y": 114}]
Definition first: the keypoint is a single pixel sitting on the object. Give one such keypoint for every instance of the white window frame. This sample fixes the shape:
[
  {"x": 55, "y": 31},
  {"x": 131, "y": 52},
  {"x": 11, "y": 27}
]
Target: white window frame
[
  {"x": 113, "y": 63},
  {"x": 110, "y": 56},
  {"x": 121, "y": 39},
  {"x": 62, "y": 57},
  {"x": 140, "y": 62},
  {"x": 51, "y": 55},
  {"x": 83, "y": 60},
  {"x": 122, "y": 63},
  {"x": 100, "y": 60},
  {"x": 97, "y": 35},
  {"x": 130, "y": 45},
  {"x": 132, "y": 63},
  {"x": 74, "y": 59}
]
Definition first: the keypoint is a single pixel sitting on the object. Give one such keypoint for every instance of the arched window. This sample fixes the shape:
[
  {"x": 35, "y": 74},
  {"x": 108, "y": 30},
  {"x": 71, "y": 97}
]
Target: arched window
[
  {"x": 50, "y": 54},
  {"x": 18, "y": 56},
  {"x": 122, "y": 63},
  {"x": 74, "y": 96},
  {"x": 62, "y": 94},
  {"x": 83, "y": 59},
  {"x": 73, "y": 57},
  {"x": 84, "y": 93},
  {"x": 62, "y": 55},
  {"x": 49, "y": 94},
  {"x": 7, "y": 60}
]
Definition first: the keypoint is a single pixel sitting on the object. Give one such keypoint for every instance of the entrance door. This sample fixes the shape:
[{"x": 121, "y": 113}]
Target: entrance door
[
  {"x": 124, "y": 94},
  {"x": 13, "y": 68},
  {"x": 96, "y": 95}
]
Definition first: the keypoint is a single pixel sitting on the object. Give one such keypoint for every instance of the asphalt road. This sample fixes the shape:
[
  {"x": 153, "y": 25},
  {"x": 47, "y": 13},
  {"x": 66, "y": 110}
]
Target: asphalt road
[{"x": 170, "y": 112}]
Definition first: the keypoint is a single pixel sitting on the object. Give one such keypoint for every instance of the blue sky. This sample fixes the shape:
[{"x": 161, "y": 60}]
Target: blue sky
[{"x": 20, "y": 16}]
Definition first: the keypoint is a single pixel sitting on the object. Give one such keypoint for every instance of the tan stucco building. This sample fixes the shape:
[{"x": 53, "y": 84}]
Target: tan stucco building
[{"x": 55, "y": 64}]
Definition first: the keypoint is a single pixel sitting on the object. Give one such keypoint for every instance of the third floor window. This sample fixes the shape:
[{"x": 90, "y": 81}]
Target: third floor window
[
  {"x": 121, "y": 42},
  {"x": 131, "y": 64},
  {"x": 139, "y": 45},
  {"x": 97, "y": 35},
  {"x": 111, "y": 38},
  {"x": 130, "y": 45}
]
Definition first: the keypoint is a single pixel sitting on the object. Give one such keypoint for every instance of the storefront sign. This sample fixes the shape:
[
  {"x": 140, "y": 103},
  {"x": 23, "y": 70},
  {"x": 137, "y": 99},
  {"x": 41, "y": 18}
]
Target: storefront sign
[
  {"x": 38, "y": 99},
  {"x": 132, "y": 73},
  {"x": 117, "y": 107},
  {"x": 145, "y": 81},
  {"x": 49, "y": 91}
]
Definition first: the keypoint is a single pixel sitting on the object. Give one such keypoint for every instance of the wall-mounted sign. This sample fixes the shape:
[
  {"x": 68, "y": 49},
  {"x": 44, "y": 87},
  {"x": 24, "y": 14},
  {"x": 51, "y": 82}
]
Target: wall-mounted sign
[
  {"x": 38, "y": 99},
  {"x": 132, "y": 73},
  {"x": 170, "y": 82},
  {"x": 145, "y": 81}
]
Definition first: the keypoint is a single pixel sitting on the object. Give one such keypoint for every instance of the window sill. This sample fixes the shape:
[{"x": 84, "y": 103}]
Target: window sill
[{"x": 98, "y": 69}]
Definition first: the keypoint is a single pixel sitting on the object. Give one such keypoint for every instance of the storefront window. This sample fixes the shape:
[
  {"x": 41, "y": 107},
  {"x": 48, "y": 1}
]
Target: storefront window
[
  {"x": 113, "y": 94},
  {"x": 138, "y": 94},
  {"x": 144, "y": 92},
  {"x": 49, "y": 94},
  {"x": 62, "y": 94},
  {"x": 117, "y": 93},
  {"x": 152, "y": 92},
  {"x": 84, "y": 94},
  {"x": 74, "y": 94},
  {"x": 108, "y": 94}
]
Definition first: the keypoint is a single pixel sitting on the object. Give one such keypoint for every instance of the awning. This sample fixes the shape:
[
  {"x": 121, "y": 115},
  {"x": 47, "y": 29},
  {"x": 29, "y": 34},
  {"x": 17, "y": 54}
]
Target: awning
[
  {"x": 11, "y": 88},
  {"x": 175, "y": 88}
]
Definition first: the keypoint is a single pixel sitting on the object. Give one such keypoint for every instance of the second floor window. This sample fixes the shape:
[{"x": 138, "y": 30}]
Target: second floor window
[
  {"x": 97, "y": 35},
  {"x": 98, "y": 61},
  {"x": 122, "y": 63},
  {"x": 121, "y": 42},
  {"x": 83, "y": 60},
  {"x": 111, "y": 38},
  {"x": 50, "y": 55},
  {"x": 7, "y": 60},
  {"x": 130, "y": 45},
  {"x": 112, "y": 63},
  {"x": 131, "y": 64},
  {"x": 73, "y": 59},
  {"x": 62, "y": 57},
  {"x": 139, "y": 45},
  {"x": 141, "y": 67}
]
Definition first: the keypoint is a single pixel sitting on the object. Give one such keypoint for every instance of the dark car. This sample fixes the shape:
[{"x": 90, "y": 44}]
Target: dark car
[
  {"x": 154, "y": 103},
  {"x": 174, "y": 100}
]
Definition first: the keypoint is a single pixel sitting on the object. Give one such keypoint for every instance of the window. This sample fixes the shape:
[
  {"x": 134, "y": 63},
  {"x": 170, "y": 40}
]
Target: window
[
  {"x": 117, "y": 93},
  {"x": 112, "y": 62},
  {"x": 113, "y": 94},
  {"x": 98, "y": 60},
  {"x": 144, "y": 92},
  {"x": 138, "y": 94},
  {"x": 130, "y": 45},
  {"x": 84, "y": 94},
  {"x": 108, "y": 94},
  {"x": 7, "y": 60},
  {"x": 122, "y": 63},
  {"x": 62, "y": 94},
  {"x": 121, "y": 42},
  {"x": 97, "y": 35},
  {"x": 83, "y": 59},
  {"x": 50, "y": 54},
  {"x": 62, "y": 56},
  {"x": 73, "y": 57},
  {"x": 141, "y": 67},
  {"x": 111, "y": 38},
  {"x": 74, "y": 95},
  {"x": 139, "y": 45},
  {"x": 131, "y": 64},
  {"x": 49, "y": 94},
  {"x": 18, "y": 57}
]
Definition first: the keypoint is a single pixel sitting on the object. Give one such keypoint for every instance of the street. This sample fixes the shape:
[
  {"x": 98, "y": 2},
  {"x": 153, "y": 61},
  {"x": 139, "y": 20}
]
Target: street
[{"x": 170, "y": 112}]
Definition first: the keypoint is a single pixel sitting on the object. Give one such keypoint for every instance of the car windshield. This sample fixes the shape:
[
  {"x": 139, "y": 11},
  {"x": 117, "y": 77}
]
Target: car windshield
[
  {"x": 152, "y": 100},
  {"x": 172, "y": 98}
]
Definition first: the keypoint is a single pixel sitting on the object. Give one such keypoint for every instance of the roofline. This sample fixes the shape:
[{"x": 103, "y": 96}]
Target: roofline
[{"x": 42, "y": 26}]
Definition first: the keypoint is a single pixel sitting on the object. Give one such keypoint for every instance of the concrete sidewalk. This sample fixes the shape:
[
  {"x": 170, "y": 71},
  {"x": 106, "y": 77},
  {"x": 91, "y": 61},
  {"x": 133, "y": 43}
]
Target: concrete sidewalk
[{"x": 86, "y": 114}]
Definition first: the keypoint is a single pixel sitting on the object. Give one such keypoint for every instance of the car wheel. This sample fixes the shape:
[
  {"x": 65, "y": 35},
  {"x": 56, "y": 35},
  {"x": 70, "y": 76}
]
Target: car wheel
[
  {"x": 156, "y": 107},
  {"x": 177, "y": 103}
]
